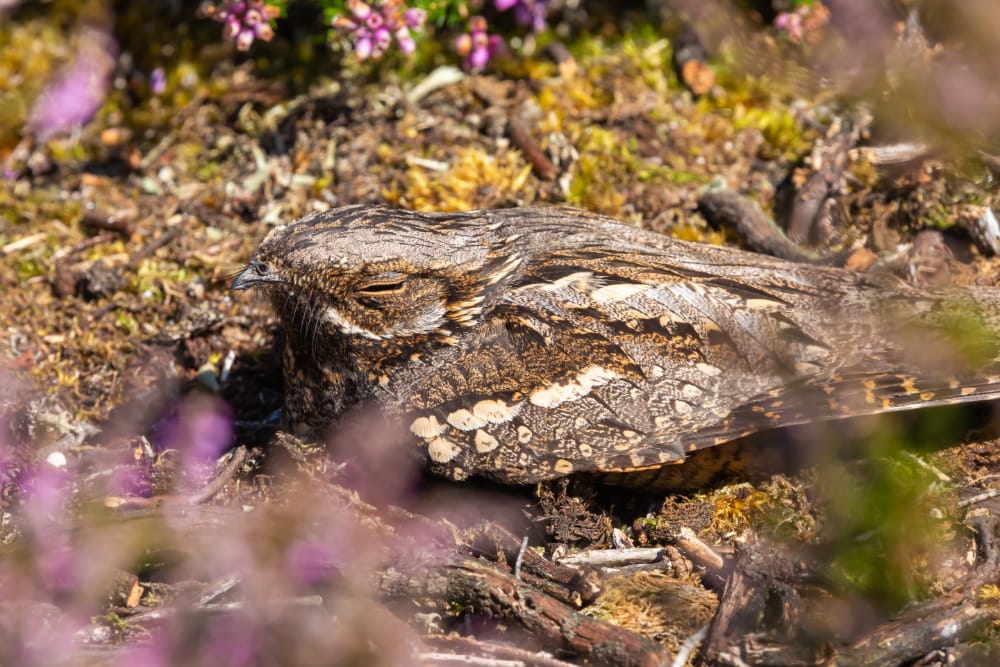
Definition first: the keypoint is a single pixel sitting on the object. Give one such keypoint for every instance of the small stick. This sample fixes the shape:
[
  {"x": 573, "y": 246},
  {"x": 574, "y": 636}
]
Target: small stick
[
  {"x": 520, "y": 557},
  {"x": 104, "y": 221},
  {"x": 469, "y": 644},
  {"x": 688, "y": 646},
  {"x": 699, "y": 552},
  {"x": 210, "y": 490},
  {"x": 540, "y": 163}
]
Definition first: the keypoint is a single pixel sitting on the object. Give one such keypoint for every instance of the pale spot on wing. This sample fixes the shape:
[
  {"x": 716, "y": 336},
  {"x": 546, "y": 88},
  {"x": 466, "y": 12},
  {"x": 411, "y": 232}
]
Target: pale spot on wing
[
  {"x": 965, "y": 391},
  {"x": 691, "y": 392},
  {"x": 464, "y": 420},
  {"x": 442, "y": 450},
  {"x": 581, "y": 277},
  {"x": 427, "y": 427},
  {"x": 485, "y": 442},
  {"x": 762, "y": 304},
  {"x": 683, "y": 408},
  {"x": 632, "y": 437},
  {"x": 556, "y": 394},
  {"x": 495, "y": 412},
  {"x": 523, "y": 434},
  {"x": 617, "y": 292},
  {"x": 708, "y": 369},
  {"x": 563, "y": 466}
]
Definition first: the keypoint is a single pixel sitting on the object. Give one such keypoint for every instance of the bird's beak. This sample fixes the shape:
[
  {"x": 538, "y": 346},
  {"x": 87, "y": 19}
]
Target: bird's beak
[
  {"x": 246, "y": 279},
  {"x": 252, "y": 277}
]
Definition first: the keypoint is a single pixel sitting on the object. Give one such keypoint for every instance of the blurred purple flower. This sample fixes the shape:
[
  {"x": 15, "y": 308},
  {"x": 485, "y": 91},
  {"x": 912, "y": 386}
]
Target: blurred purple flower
[
  {"x": 803, "y": 24},
  {"x": 372, "y": 29},
  {"x": 244, "y": 21},
  {"x": 201, "y": 429},
  {"x": 46, "y": 495},
  {"x": 231, "y": 641},
  {"x": 158, "y": 81},
  {"x": 477, "y": 46},
  {"x": 79, "y": 90},
  {"x": 154, "y": 652},
  {"x": 526, "y": 12},
  {"x": 310, "y": 560}
]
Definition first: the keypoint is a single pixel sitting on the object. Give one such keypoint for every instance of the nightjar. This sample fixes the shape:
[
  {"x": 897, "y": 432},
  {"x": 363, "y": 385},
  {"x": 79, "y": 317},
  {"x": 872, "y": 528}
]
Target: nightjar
[{"x": 526, "y": 344}]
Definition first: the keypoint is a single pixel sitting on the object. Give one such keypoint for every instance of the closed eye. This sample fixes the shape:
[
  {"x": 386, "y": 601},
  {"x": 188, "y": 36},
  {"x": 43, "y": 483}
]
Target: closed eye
[{"x": 382, "y": 285}]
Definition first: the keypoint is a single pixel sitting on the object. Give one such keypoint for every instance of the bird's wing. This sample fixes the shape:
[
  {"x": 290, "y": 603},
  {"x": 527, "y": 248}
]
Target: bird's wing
[{"x": 610, "y": 360}]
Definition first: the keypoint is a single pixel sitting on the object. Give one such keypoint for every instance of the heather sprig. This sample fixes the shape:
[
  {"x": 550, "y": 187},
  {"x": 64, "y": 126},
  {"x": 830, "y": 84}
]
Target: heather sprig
[
  {"x": 804, "y": 22},
  {"x": 526, "y": 12},
  {"x": 477, "y": 46},
  {"x": 372, "y": 28},
  {"x": 244, "y": 21}
]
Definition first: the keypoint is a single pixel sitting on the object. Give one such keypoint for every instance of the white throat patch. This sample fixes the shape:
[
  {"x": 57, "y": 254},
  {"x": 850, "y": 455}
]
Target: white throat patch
[{"x": 332, "y": 316}]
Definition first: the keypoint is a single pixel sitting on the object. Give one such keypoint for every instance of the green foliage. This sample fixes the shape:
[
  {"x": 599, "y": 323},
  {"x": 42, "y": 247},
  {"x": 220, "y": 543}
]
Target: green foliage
[{"x": 885, "y": 527}]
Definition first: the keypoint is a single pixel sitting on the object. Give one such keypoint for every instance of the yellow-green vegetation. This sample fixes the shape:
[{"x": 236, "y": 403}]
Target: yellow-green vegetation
[
  {"x": 750, "y": 104},
  {"x": 598, "y": 182},
  {"x": 779, "y": 509},
  {"x": 656, "y": 604},
  {"x": 30, "y": 52},
  {"x": 473, "y": 179}
]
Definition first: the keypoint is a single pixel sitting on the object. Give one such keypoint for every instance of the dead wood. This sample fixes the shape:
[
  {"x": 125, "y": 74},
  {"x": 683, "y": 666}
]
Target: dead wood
[
  {"x": 575, "y": 586},
  {"x": 481, "y": 589}
]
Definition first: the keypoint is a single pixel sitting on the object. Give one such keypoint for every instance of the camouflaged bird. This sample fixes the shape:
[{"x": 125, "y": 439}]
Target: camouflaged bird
[{"x": 526, "y": 344}]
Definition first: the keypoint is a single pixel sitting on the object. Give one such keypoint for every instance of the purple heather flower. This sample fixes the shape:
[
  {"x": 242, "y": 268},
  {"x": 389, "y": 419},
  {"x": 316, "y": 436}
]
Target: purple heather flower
[
  {"x": 363, "y": 47},
  {"x": 804, "y": 24},
  {"x": 201, "y": 429},
  {"x": 158, "y": 81},
  {"x": 79, "y": 90},
  {"x": 526, "y": 12},
  {"x": 310, "y": 560},
  {"x": 477, "y": 46},
  {"x": 414, "y": 17},
  {"x": 372, "y": 27},
  {"x": 244, "y": 22}
]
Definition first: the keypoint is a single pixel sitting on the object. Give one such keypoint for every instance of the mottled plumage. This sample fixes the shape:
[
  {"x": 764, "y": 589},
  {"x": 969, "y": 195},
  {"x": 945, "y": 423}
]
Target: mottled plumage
[{"x": 525, "y": 344}]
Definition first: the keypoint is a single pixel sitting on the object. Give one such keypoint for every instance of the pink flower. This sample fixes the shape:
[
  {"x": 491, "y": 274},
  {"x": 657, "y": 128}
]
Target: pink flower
[
  {"x": 72, "y": 99},
  {"x": 373, "y": 27},
  {"x": 244, "y": 22},
  {"x": 477, "y": 46}
]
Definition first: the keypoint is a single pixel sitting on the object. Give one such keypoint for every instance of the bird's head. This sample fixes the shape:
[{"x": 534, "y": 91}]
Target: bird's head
[{"x": 368, "y": 274}]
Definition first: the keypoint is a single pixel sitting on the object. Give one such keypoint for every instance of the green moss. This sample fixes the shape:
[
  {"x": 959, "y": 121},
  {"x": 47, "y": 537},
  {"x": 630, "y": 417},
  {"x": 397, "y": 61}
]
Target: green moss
[
  {"x": 603, "y": 164},
  {"x": 126, "y": 322},
  {"x": 31, "y": 268}
]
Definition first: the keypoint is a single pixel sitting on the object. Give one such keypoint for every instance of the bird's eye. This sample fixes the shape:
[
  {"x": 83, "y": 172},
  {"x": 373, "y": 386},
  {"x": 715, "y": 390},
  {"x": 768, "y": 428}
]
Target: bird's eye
[
  {"x": 388, "y": 283},
  {"x": 261, "y": 268}
]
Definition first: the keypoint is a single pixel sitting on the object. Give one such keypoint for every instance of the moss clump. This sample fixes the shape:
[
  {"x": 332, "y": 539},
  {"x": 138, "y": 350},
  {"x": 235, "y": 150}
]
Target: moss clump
[{"x": 473, "y": 179}]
